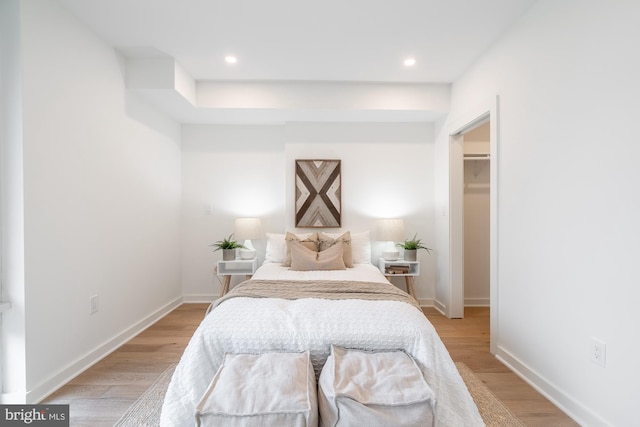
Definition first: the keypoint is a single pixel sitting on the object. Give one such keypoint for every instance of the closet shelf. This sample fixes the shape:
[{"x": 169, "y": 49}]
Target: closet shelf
[{"x": 477, "y": 157}]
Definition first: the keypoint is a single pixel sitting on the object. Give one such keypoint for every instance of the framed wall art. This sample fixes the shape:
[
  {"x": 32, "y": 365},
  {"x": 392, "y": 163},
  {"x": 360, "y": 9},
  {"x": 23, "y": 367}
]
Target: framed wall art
[{"x": 318, "y": 199}]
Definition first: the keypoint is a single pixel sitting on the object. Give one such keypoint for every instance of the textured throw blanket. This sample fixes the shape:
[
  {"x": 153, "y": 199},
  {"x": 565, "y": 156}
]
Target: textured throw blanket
[
  {"x": 325, "y": 289},
  {"x": 263, "y": 325}
]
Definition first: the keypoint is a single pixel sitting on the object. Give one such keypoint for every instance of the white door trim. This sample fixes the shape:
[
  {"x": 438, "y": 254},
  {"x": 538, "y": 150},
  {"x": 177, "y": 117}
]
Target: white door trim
[
  {"x": 487, "y": 110},
  {"x": 456, "y": 226}
]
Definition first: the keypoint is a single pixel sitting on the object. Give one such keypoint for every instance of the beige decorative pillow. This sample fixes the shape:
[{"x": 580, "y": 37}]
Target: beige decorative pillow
[
  {"x": 309, "y": 240},
  {"x": 304, "y": 259},
  {"x": 325, "y": 241}
]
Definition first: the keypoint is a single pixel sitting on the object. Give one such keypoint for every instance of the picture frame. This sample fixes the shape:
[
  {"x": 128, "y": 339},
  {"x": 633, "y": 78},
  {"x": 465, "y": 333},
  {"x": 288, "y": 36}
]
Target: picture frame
[{"x": 318, "y": 199}]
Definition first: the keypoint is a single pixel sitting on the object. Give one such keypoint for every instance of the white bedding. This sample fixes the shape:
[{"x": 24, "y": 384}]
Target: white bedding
[
  {"x": 359, "y": 273},
  {"x": 256, "y": 325}
]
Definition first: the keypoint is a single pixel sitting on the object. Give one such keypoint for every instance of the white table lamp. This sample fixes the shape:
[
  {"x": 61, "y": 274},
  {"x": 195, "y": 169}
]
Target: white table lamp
[
  {"x": 391, "y": 231},
  {"x": 247, "y": 229}
]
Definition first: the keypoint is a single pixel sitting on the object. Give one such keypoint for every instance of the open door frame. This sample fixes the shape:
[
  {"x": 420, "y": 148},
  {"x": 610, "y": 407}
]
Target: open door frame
[{"x": 487, "y": 111}]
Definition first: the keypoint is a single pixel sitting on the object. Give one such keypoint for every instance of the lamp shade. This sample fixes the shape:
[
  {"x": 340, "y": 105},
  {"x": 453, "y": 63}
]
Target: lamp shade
[
  {"x": 390, "y": 230},
  {"x": 247, "y": 228}
]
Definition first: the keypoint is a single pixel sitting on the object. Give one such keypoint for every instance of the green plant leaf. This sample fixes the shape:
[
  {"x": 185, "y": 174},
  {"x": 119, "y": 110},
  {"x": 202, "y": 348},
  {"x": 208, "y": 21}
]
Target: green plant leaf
[
  {"x": 413, "y": 244},
  {"x": 227, "y": 243}
]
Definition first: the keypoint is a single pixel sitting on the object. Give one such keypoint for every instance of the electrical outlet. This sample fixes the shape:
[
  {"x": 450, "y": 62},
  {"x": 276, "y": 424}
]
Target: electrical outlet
[
  {"x": 93, "y": 304},
  {"x": 598, "y": 351}
]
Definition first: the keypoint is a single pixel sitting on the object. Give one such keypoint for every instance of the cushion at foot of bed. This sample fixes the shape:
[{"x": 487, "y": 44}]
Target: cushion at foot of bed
[
  {"x": 271, "y": 389},
  {"x": 359, "y": 388}
]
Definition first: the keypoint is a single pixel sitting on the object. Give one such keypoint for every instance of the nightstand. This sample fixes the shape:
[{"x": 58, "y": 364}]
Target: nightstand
[
  {"x": 401, "y": 268},
  {"x": 236, "y": 267}
]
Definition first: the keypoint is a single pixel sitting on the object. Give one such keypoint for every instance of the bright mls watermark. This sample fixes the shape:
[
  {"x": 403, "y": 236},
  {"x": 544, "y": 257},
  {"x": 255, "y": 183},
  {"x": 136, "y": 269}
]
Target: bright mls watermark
[{"x": 34, "y": 415}]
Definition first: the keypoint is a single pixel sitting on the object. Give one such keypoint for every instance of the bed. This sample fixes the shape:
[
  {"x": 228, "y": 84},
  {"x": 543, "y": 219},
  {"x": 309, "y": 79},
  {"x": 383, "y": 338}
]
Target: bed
[{"x": 332, "y": 309}]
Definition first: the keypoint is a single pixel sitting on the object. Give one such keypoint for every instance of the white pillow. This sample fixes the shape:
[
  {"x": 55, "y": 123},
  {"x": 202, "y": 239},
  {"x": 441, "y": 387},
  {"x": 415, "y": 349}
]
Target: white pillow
[
  {"x": 361, "y": 247},
  {"x": 276, "y": 248}
]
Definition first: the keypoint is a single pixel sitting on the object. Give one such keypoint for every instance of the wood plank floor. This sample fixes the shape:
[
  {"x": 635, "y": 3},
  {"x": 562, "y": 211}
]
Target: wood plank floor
[{"x": 101, "y": 395}]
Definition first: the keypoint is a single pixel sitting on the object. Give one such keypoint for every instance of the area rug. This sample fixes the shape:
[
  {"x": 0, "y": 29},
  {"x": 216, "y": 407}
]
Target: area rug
[
  {"x": 494, "y": 413},
  {"x": 145, "y": 412}
]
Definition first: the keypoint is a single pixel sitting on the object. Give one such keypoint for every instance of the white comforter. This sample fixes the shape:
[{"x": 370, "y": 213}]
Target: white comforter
[{"x": 254, "y": 325}]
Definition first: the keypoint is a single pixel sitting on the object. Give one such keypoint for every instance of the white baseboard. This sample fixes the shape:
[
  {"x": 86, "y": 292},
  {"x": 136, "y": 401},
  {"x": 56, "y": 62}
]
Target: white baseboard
[
  {"x": 477, "y": 302},
  {"x": 442, "y": 308},
  {"x": 426, "y": 302},
  {"x": 75, "y": 368},
  {"x": 199, "y": 298},
  {"x": 468, "y": 302},
  {"x": 578, "y": 412}
]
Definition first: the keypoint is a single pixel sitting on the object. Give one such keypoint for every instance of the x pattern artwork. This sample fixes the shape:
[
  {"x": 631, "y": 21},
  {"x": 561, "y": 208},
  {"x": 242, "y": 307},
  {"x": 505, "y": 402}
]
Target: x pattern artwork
[{"x": 318, "y": 203}]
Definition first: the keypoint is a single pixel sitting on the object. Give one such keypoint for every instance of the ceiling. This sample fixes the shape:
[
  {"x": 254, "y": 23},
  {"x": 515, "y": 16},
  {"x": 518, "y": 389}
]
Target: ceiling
[{"x": 304, "y": 41}]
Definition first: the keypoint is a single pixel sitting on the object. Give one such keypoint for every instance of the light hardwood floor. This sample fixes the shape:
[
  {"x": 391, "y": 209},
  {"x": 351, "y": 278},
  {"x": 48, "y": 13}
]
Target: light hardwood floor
[{"x": 101, "y": 395}]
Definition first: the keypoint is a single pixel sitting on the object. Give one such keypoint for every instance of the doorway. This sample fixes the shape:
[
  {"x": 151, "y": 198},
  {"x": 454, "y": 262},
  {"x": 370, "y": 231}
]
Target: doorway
[
  {"x": 483, "y": 115},
  {"x": 476, "y": 205}
]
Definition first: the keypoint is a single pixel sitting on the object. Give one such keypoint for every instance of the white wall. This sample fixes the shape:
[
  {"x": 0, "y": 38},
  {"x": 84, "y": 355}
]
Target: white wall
[
  {"x": 567, "y": 195},
  {"x": 101, "y": 200},
  {"x": 239, "y": 172},
  {"x": 11, "y": 214},
  {"x": 387, "y": 171}
]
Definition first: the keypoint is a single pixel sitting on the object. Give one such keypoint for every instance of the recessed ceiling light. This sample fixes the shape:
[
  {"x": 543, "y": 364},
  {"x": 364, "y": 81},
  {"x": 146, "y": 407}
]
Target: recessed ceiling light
[
  {"x": 410, "y": 62},
  {"x": 230, "y": 59}
]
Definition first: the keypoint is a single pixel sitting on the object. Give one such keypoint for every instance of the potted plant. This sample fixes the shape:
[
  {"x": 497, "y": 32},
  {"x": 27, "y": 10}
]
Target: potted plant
[
  {"x": 228, "y": 247},
  {"x": 411, "y": 248}
]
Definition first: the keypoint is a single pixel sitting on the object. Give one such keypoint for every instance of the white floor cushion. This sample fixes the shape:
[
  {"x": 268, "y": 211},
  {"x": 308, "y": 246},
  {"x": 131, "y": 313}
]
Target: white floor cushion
[
  {"x": 271, "y": 389},
  {"x": 358, "y": 388}
]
